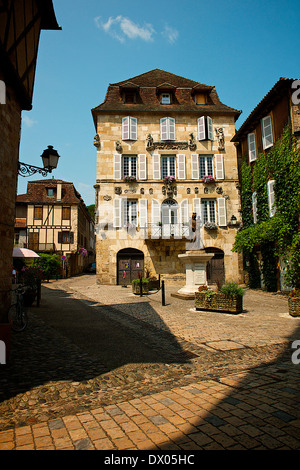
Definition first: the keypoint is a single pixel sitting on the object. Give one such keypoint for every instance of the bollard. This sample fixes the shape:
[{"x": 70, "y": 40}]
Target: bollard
[
  {"x": 141, "y": 287},
  {"x": 163, "y": 301}
]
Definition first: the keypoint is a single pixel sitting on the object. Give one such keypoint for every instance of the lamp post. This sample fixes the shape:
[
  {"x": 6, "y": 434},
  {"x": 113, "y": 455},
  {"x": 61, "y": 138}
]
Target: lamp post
[{"x": 50, "y": 160}]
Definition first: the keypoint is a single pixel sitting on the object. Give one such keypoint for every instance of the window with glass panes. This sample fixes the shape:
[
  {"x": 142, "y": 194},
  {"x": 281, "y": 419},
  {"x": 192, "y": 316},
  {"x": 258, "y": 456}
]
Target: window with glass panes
[
  {"x": 130, "y": 212},
  {"x": 206, "y": 166},
  {"x": 208, "y": 211},
  {"x": 129, "y": 166},
  {"x": 168, "y": 166}
]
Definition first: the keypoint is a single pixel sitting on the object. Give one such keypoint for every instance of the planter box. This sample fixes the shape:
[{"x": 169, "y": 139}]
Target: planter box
[
  {"x": 219, "y": 302},
  {"x": 136, "y": 288},
  {"x": 294, "y": 306}
]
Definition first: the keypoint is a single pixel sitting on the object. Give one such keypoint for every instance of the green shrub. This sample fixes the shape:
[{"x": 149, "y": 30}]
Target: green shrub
[
  {"x": 231, "y": 288},
  {"x": 145, "y": 280}
]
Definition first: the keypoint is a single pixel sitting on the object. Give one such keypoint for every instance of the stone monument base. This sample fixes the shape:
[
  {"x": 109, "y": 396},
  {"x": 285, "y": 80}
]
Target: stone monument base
[{"x": 195, "y": 272}]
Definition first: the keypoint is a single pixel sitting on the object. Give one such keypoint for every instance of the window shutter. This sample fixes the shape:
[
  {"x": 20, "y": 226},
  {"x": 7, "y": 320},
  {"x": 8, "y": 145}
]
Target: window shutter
[
  {"x": 155, "y": 218},
  {"x": 164, "y": 129},
  {"x": 184, "y": 211},
  {"x": 254, "y": 207},
  {"x": 59, "y": 237},
  {"x": 181, "y": 167},
  {"x": 271, "y": 197},
  {"x": 222, "y": 218},
  {"x": 219, "y": 162},
  {"x": 210, "y": 132},
  {"x": 156, "y": 167},
  {"x": 117, "y": 167},
  {"x": 201, "y": 128},
  {"x": 197, "y": 206},
  {"x": 142, "y": 167},
  {"x": 171, "y": 122},
  {"x": 195, "y": 166},
  {"x": 143, "y": 213},
  {"x": 125, "y": 128},
  {"x": 267, "y": 133},
  {"x": 133, "y": 128},
  {"x": 251, "y": 147},
  {"x": 71, "y": 237},
  {"x": 117, "y": 221}
]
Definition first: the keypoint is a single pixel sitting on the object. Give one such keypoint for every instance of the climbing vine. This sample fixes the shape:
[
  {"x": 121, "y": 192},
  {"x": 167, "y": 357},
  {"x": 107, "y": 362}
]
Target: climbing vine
[{"x": 278, "y": 235}]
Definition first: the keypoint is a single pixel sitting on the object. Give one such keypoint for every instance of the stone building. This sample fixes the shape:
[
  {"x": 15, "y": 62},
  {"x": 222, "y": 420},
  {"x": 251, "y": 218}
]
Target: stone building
[
  {"x": 20, "y": 27},
  {"x": 164, "y": 152},
  {"x": 264, "y": 126},
  {"x": 52, "y": 218}
]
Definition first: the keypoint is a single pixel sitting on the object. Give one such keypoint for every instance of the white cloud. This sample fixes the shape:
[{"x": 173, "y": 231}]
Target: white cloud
[
  {"x": 28, "y": 121},
  {"x": 170, "y": 33},
  {"x": 122, "y": 28}
]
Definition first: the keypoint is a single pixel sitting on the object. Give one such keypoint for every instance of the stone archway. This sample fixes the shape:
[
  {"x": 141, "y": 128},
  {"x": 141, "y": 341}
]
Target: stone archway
[{"x": 130, "y": 265}]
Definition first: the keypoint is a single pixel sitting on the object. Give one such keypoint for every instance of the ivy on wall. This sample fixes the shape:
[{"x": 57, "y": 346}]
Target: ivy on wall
[{"x": 278, "y": 235}]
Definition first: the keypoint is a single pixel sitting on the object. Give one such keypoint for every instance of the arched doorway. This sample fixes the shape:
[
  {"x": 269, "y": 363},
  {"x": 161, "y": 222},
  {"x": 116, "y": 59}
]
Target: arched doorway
[
  {"x": 130, "y": 265},
  {"x": 215, "y": 267}
]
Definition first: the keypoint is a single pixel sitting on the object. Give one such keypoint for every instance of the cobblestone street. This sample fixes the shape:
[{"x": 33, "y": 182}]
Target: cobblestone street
[{"x": 101, "y": 368}]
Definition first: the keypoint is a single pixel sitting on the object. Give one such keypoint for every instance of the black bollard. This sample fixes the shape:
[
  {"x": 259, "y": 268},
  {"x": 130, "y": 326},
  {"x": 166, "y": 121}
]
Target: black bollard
[{"x": 163, "y": 300}]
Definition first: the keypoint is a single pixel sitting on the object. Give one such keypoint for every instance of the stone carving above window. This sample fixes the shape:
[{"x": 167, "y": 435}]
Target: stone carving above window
[
  {"x": 170, "y": 145},
  {"x": 220, "y": 136}
]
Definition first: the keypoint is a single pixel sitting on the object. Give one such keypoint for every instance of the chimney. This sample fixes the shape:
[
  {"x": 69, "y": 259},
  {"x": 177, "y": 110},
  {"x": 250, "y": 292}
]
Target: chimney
[{"x": 58, "y": 194}]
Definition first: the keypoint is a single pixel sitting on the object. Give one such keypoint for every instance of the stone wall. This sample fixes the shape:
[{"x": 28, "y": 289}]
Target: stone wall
[{"x": 10, "y": 124}]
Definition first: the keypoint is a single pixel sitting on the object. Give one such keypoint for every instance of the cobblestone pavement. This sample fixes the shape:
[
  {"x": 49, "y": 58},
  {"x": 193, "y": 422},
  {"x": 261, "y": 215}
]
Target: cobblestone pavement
[{"x": 100, "y": 368}]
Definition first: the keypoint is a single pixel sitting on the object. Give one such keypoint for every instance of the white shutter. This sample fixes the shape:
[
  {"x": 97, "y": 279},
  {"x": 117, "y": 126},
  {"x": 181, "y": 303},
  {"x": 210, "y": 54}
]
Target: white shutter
[
  {"x": 117, "y": 167},
  {"x": 195, "y": 166},
  {"x": 222, "y": 218},
  {"x": 184, "y": 211},
  {"x": 271, "y": 197},
  {"x": 156, "y": 166},
  {"x": 155, "y": 218},
  {"x": 117, "y": 221},
  {"x": 219, "y": 162},
  {"x": 143, "y": 213},
  {"x": 267, "y": 133},
  {"x": 125, "y": 128},
  {"x": 164, "y": 129},
  {"x": 142, "y": 167},
  {"x": 201, "y": 128},
  {"x": 210, "y": 132},
  {"x": 133, "y": 128},
  {"x": 254, "y": 207},
  {"x": 251, "y": 147},
  {"x": 197, "y": 207},
  {"x": 181, "y": 167},
  {"x": 171, "y": 122}
]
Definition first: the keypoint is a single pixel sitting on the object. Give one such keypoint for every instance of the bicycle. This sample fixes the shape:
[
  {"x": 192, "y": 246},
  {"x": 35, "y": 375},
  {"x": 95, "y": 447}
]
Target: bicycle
[{"x": 17, "y": 314}]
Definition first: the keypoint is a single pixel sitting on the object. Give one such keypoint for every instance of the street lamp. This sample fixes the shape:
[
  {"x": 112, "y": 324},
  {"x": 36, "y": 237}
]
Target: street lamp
[{"x": 50, "y": 160}]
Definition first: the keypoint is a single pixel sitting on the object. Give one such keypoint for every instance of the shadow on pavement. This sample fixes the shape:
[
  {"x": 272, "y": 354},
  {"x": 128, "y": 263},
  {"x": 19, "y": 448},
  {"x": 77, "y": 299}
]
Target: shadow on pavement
[{"x": 79, "y": 340}]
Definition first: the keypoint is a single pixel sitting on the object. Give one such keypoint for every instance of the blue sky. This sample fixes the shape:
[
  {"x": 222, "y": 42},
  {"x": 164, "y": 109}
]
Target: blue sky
[{"x": 240, "y": 47}]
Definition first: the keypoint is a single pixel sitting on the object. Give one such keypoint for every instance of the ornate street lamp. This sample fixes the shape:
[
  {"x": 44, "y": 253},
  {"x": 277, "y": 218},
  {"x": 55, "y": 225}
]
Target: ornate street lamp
[{"x": 50, "y": 160}]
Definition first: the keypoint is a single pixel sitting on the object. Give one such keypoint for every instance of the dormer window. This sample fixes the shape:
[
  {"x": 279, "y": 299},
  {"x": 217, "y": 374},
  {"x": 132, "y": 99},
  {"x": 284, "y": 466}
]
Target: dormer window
[
  {"x": 200, "y": 98},
  {"x": 130, "y": 97},
  {"x": 50, "y": 192},
  {"x": 165, "y": 98}
]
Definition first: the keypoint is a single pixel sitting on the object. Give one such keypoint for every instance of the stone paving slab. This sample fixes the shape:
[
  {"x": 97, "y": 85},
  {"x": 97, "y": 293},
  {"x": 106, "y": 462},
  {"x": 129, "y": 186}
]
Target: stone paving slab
[{"x": 225, "y": 383}]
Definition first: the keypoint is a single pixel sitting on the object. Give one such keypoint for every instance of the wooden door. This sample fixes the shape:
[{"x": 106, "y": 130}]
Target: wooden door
[
  {"x": 215, "y": 269},
  {"x": 130, "y": 266}
]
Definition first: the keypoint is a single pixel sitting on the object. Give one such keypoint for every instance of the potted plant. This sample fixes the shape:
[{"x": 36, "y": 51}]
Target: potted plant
[
  {"x": 294, "y": 303},
  {"x": 136, "y": 283},
  {"x": 229, "y": 298},
  {"x": 169, "y": 180},
  {"x": 31, "y": 277}
]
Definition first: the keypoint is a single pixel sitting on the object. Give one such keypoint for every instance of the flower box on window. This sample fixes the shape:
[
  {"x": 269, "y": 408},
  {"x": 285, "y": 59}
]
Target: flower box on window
[
  {"x": 210, "y": 226},
  {"x": 130, "y": 179},
  {"x": 169, "y": 180},
  {"x": 207, "y": 179}
]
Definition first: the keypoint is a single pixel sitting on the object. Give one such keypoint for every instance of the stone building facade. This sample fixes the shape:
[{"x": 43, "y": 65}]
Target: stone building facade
[
  {"x": 20, "y": 27},
  {"x": 164, "y": 153},
  {"x": 52, "y": 218}
]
